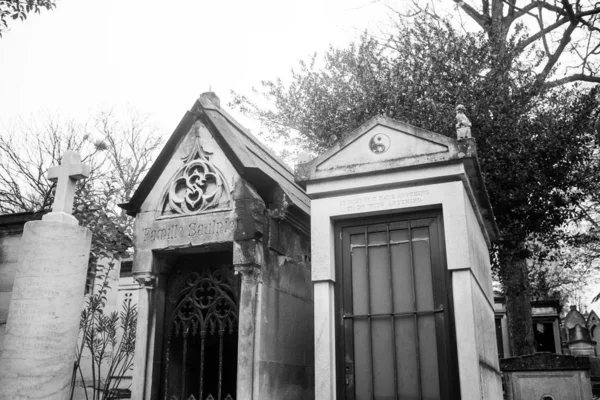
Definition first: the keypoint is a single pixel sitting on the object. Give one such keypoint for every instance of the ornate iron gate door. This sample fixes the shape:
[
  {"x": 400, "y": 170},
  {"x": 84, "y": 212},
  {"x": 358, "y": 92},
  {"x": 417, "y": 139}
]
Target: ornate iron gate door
[
  {"x": 200, "y": 361},
  {"x": 394, "y": 311}
]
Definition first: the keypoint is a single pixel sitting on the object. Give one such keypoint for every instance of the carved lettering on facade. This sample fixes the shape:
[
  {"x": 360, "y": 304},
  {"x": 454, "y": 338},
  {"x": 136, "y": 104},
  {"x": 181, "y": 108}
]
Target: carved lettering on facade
[
  {"x": 189, "y": 230},
  {"x": 374, "y": 202}
]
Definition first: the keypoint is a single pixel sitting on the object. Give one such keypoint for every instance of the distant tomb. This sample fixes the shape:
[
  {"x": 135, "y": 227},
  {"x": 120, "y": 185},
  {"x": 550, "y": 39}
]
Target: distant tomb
[
  {"x": 579, "y": 341},
  {"x": 547, "y": 376}
]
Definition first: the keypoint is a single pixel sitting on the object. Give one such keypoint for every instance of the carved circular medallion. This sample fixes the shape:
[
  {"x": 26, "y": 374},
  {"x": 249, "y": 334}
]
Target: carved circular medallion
[{"x": 379, "y": 143}]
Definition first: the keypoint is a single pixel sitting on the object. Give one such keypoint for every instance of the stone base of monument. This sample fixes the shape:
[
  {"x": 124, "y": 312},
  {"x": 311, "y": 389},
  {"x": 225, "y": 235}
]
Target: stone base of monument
[
  {"x": 547, "y": 376},
  {"x": 43, "y": 317}
]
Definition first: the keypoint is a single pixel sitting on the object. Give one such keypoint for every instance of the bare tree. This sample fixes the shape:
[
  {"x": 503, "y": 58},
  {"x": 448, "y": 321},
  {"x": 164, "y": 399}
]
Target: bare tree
[
  {"x": 119, "y": 152},
  {"x": 130, "y": 147},
  {"x": 563, "y": 34},
  {"x": 29, "y": 148}
]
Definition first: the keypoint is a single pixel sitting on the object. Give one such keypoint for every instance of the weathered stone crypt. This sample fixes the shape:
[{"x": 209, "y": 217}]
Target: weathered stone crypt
[
  {"x": 222, "y": 252},
  {"x": 401, "y": 225}
]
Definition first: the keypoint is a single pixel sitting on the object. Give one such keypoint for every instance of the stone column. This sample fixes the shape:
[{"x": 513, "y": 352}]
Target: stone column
[
  {"x": 247, "y": 319},
  {"x": 325, "y": 366},
  {"x": 147, "y": 283},
  {"x": 155, "y": 341},
  {"x": 247, "y": 260},
  {"x": 44, "y": 313}
]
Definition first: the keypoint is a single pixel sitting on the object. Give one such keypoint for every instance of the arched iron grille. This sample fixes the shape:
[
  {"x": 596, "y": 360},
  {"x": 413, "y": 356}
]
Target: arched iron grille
[{"x": 201, "y": 328}]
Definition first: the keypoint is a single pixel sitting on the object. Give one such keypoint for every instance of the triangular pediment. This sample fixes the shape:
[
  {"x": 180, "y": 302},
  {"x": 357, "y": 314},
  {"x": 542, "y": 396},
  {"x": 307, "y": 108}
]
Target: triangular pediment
[
  {"x": 201, "y": 162},
  {"x": 382, "y": 143}
]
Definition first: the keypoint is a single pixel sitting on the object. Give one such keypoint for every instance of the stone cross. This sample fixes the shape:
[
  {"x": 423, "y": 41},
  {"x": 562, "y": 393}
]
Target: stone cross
[{"x": 70, "y": 170}]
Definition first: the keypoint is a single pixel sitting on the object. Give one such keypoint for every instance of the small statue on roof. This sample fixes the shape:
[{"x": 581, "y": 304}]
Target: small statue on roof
[{"x": 463, "y": 126}]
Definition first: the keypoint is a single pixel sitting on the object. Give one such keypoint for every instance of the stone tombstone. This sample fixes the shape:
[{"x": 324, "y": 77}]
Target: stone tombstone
[
  {"x": 47, "y": 295},
  {"x": 221, "y": 254},
  {"x": 400, "y": 226},
  {"x": 547, "y": 376},
  {"x": 579, "y": 341},
  {"x": 592, "y": 323}
]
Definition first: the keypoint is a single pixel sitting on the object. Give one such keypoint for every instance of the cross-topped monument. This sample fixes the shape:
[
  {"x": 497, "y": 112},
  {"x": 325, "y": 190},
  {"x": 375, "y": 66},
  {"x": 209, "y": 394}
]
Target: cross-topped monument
[
  {"x": 65, "y": 175},
  {"x": 43, "y": 316}
]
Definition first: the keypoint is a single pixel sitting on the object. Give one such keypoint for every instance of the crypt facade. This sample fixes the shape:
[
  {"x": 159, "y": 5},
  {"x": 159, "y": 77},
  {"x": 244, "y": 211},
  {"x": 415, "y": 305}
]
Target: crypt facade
[{"x": 222, "y": 253}]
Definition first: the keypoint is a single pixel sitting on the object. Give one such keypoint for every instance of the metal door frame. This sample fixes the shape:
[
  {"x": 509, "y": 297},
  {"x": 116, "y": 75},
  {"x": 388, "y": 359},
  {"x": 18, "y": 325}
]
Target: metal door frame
[{"x": 449, "y": 379}]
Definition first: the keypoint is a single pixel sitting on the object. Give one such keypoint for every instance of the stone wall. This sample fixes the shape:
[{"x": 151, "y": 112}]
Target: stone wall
[
  {"x": 11, "y": 231},
  {"x": 547, "y": 376},
  {"x": 482, "y": 298},
  {"x": 284, "y": 351},
  {"x": 10, "y": 245}
]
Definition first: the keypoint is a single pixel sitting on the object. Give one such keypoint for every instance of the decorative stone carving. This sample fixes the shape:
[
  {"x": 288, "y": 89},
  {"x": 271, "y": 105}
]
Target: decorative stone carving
[
  {"x": 463, "y": 126},
  {"x": 249, "y": 274},
  {"x": 198, "y": 186},
  {"x": 146, "y": 280},
  {"x": 379, "y": 143}
]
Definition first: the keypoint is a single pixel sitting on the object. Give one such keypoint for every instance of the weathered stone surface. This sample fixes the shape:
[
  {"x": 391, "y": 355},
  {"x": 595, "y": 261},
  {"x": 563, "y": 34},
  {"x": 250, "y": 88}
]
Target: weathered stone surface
[
  {"x": 186, "y": 231},
  {"x": 574, "y": 318},
  {"x": 250, "y": 209},
  {"x": 4, "y": 304},
  {"x": 9, "y": 256},
  {"x": 275, "y": 296},
  {"x": 546, "y": 374},
  {"x": 285, "y": 381},
  {"x": 43, "y": 320},
  {"x": 544, "y": 362}
]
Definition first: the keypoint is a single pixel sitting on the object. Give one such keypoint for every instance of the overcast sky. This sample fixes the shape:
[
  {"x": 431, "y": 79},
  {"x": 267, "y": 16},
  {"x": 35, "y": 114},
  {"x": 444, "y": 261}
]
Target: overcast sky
[{"x": 158, "y": 56}]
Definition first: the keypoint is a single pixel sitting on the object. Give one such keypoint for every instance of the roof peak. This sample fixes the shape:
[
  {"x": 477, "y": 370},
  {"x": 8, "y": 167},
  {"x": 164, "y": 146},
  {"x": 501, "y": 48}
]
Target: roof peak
[{"x": 212, "y": 97}]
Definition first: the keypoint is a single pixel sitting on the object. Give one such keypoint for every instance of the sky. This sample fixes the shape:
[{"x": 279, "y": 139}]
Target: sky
[{"x": 158, "y": 56}]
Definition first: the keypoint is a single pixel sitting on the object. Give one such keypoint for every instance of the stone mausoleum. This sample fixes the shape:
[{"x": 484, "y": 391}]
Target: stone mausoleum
[
  {"x": 401, "y": 225},
  {"x": 222, "y": 254},
  {"x": 396, "y": 302}
]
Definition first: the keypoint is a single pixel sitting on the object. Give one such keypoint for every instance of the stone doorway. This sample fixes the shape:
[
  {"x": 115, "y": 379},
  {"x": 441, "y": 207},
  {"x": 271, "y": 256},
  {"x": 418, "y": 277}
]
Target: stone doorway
[
  {"x": 201, "y": 329},
  {"x": 395, "y": 311}
]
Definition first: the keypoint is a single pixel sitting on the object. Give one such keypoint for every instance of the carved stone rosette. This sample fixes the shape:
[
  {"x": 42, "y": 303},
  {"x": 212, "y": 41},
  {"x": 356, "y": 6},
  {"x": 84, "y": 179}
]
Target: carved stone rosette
[{"x": 198, "y": 185}]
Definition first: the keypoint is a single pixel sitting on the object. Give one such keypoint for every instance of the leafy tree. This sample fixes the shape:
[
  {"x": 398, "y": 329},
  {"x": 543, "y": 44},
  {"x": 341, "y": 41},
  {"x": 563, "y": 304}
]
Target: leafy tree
[
  {"x": 567, "y": 271},
  {"x": 19, "y": 9},
  {"x": 535, "y": 146}
]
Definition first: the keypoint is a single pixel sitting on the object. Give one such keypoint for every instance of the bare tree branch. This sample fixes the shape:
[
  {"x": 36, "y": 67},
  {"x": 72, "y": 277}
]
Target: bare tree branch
[
  {"x": 483, "y": 21},
  {"x": 571, "y": 78}
]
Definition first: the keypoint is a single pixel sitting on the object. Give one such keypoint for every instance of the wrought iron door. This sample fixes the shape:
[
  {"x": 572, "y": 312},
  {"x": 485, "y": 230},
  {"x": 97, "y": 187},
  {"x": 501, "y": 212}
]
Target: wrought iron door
[
  {"x": 200, "y": 361},
  {"x": 394, "y": 312}
]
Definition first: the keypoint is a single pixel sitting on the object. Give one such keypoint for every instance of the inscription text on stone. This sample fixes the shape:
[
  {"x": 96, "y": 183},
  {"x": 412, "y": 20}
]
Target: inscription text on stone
[{"x": 383, "y": 201}]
